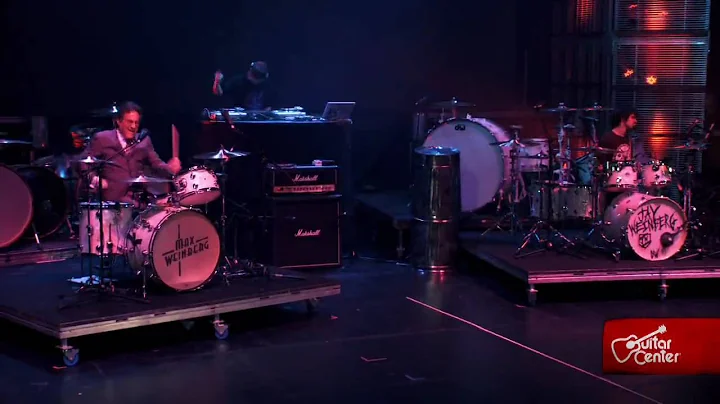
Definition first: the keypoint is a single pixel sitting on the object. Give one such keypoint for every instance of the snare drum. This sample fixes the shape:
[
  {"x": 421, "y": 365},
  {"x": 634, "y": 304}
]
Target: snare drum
[
  {"x": 656, "y": 175},
  {"x": 621, "y": 176},
  {"x": 567, "y": 201},
  {"x": 197, "y": 186},
  {"x": 116, "y": 217},
  {"x": 178, "y": 246},
  {"x": 653, "y": 227}
]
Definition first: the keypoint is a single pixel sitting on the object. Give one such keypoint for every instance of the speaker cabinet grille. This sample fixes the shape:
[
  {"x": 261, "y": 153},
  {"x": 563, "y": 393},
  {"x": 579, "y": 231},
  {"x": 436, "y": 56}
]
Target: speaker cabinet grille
[
  {"x": 632, "y": 16},
  {"x": 302, "y": 232}
]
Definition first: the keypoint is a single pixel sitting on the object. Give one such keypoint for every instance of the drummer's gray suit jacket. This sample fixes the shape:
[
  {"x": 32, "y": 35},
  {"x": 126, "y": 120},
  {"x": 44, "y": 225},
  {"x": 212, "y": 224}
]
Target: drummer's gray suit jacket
[{"x": 138, "y": 159}]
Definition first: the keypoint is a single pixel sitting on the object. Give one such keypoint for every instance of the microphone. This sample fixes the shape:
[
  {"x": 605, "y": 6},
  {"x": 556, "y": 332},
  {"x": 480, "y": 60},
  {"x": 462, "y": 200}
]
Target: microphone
[{"x": 140, "y": 137}]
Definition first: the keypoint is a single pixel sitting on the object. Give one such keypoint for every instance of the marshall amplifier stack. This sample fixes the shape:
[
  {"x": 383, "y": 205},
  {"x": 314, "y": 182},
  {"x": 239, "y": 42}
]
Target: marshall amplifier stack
[{"x": 302, "y": 208}]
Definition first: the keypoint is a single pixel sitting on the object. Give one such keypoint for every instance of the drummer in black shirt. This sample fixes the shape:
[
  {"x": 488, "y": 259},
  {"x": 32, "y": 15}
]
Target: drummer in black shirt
[
  {"x": 620, "y": 139},
  {"x": 249, "y": 91}
]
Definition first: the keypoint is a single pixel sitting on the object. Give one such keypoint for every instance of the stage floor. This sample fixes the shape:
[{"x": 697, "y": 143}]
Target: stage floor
[
  {"x": 32, "y": 295},
  {"x": 27, "y": 252}
]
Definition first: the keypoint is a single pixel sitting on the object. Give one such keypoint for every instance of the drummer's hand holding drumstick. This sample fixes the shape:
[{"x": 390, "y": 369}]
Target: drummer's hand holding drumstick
[{"x": 174, "y": 163}]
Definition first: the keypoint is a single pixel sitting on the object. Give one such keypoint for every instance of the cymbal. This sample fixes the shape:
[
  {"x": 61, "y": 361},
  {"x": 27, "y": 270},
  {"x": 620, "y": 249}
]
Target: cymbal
[
  {"x": 148, "y": 180},
  {"x": 514, "y": 143},
  {"x": 222, "y": 154},
  {"x": 539, "y": 156},
  {"x": 454, "y": 103},
  {"x": 559, "y": 108},
  {"x": 13, "y": 141},
  {"x": 691, "y": 146},
  {"x": 104, "y": 112},
  {"x": 591, "y": 149},
  {"x": 596, "y": 107},
  {"x": 90, "y": 160}
]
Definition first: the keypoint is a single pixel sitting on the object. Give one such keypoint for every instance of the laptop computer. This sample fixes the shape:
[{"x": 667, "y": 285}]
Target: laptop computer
[{"x": 336, "y": 111}]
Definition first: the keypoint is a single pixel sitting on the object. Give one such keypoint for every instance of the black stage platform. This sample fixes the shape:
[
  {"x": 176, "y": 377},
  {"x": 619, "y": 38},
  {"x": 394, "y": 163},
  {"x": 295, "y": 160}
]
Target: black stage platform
[
  {"x": 30, "y": 253},
  {"x": 551, "y": 267},
  {"x": 31, "y": 296},
  {"x": 497, "y": 249}
]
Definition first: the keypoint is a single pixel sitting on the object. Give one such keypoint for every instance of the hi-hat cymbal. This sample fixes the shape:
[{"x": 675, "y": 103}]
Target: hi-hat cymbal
[
  {"x": 148, "y": 180},
  {"x": 591, "y": 149},
  {"x": 454, "y": 103},
  {"x": 90, "y": 160},
  {"x": 222, "y": 154},
  {"x": 13, "y": 141},
  {"x": 514, "y": 143}
]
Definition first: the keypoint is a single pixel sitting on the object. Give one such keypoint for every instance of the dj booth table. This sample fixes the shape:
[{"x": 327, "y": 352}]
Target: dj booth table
[{"x": 278, "y": 142}]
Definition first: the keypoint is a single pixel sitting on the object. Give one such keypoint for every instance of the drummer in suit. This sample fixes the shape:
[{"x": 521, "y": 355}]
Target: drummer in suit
[{"x": 131, "y": 155}]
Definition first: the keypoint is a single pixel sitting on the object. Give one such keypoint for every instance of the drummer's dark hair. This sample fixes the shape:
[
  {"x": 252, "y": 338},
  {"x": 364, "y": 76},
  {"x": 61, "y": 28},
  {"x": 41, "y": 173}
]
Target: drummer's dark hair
[
  {"x": 126, "y": 107},
  {"x": 622, "y": 115}
]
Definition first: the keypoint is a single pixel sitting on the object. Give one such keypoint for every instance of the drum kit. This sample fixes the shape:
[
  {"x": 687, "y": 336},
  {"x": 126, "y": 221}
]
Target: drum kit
[
  {"x": 569, "y": 186},
  {"x": 169, "y": 240}
]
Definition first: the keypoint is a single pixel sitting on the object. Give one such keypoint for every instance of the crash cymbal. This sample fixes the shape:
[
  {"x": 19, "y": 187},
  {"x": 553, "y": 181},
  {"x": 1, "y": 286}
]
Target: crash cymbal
[
  {"x": 148, "y": 180},
  {"x": 591, "y": 149},
  {"x": 454, "y": 103},
  {"x": 105, "y": 112},
  {"x": 514, "y": 143},
  {"x": 222, "y": 154},
  {"x": 14, "y": 142},
  {"x": 596, "y": 107},
  {"x": 560, "y": 108}
]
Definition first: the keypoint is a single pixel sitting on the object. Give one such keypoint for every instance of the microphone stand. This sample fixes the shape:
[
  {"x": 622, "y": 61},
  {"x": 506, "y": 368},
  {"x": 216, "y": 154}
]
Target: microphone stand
[{"x": 249, "y": 267}]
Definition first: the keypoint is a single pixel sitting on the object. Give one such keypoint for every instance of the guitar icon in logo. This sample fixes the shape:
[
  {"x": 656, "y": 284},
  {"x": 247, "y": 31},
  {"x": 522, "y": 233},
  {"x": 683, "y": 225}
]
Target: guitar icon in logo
[{"x": 624, "y": 348}]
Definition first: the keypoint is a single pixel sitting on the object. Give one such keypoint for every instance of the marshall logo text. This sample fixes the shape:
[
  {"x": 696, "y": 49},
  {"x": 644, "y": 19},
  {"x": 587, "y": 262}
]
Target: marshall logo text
[
  {"x": 307, "y": 233},
  {"x": 305, "y": 178}
]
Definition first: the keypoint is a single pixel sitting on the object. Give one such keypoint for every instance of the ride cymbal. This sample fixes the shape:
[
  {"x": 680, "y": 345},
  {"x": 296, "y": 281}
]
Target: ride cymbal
[{"x": 222, "y": 154}]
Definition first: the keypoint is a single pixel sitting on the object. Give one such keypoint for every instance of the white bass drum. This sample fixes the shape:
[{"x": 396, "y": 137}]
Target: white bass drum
[
  {"x": 484, "y": 169},
  {"x": 654, "y": 227},
  {"x": 178, "y": 246}
]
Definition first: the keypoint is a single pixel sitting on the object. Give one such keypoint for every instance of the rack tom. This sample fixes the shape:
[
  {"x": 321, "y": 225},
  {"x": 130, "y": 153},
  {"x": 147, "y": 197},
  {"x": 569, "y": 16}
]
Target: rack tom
[
  {"x": 196, "y": 186},
  {"x": 621, "y": 176},
  {"x": 656, "y": 175}
]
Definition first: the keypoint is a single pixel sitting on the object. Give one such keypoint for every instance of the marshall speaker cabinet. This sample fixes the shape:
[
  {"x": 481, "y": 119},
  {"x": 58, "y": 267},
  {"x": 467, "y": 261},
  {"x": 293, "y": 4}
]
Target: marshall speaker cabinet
[{"x": 302, "y": 212}]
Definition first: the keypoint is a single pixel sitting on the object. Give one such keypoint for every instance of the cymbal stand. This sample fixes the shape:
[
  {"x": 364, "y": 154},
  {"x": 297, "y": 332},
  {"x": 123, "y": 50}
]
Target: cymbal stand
[
  {"x": 597, "y": 228},
  {"x": 551, "y": 233},
  {"x": 693, "y": 245},
  {"x": 99, "y": 287},
  {"x": 518, "y": 188}
]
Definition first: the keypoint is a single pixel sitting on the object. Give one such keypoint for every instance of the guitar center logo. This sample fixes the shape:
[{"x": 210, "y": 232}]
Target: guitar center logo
[
  {"x": 679, "y": 346},
  {"x": 646, "y": 349}
]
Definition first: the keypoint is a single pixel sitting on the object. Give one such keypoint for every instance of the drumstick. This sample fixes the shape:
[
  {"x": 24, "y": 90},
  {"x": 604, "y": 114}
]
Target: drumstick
[{"x": 175, "y": 142}]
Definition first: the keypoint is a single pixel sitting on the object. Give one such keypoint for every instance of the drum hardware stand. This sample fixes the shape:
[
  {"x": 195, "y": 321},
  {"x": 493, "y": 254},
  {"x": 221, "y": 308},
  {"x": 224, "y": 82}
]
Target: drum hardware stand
[
  {"x": 550, "y": 231},
  {"x": 693, "y": 247},
  {"x": 96, "y": 285},
  {"x": 517, "y": 184}
]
